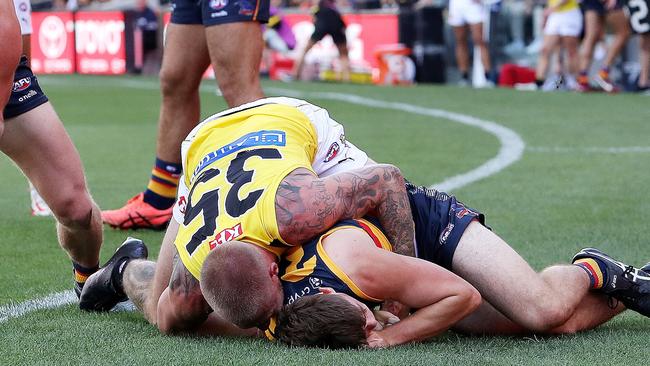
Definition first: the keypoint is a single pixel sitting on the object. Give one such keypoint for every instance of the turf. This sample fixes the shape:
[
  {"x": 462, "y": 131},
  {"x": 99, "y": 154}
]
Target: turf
[{"x": 568, "y": 191}]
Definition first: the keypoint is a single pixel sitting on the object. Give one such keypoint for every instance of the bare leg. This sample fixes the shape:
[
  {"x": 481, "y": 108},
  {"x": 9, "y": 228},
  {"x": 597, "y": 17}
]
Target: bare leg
[
  {"x": 622, "y": 30},
  {"x": 9, "y": 57},
  {"x": 297, "y": 73},
  {"x": 462, "y": 54},
  {"x": 60, "y": 179},
  {"x": 478, "y": 40},
  {"x": 593, "y": 29},
  {"x": 592, "y": 311},
  {"x": 184, "y": 60},
  {"x": 570, "y": 44},
  {"x": 550, "y": 44},
  {"x": 505, "y": 280},
  {"x": 236, "y": 53},
  {"x": 345, "y": 61},
  {"x": 644, "y": 60}
]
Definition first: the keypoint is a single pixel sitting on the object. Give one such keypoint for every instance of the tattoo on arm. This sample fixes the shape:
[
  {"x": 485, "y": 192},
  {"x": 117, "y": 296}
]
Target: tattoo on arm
[
  {"x": 307, "y": 206},
  {"x": 137, "y": 281},
  {"x": 181, "y": 279}
]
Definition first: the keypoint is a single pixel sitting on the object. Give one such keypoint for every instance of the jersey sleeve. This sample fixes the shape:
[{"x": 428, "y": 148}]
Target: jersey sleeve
[
  {"x": 181, "y": 201},
  {"x": 334, "y": 153}
]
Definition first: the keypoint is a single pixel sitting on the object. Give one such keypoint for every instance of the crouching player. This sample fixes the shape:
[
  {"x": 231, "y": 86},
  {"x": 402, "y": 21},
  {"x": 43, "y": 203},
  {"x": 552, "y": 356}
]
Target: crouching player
[{"x": 560, "y": 299}]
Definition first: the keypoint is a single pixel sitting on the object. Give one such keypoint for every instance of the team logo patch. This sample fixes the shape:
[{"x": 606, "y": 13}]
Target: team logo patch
[
  {"x": 218, "y": 4},
  {"x": 462, "y": 211},
  {"x": 332, "y": 152},
  {"x": 315, "y": 282},
  {"x": 182, "y": 204},
  {"x": 226, "y": 235},
  {"x": 246, "y": 7},
  {"x": 445, "y": 234},
  {"x": 22, "y": 84}
]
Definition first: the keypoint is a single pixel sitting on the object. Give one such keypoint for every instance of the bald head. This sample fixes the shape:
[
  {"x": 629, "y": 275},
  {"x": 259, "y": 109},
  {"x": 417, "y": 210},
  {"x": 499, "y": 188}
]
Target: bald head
[{"x": 239, "y": 281}]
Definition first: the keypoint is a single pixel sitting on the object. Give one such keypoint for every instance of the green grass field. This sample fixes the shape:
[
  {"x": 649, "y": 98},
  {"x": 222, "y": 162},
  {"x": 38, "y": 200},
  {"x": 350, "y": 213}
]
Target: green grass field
[{"x": 583, "y": 180}]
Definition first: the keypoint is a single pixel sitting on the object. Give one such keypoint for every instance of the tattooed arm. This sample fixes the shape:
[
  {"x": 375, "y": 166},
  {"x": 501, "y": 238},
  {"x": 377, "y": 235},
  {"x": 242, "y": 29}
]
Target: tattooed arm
[
  {"x": 181, "y": 306},
  {"x": 306, "y": 205}
]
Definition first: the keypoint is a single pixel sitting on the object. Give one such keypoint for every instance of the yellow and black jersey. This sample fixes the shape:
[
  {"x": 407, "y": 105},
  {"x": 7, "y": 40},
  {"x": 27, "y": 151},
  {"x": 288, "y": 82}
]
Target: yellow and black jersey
[
  {"x": 304, "y": 269},
  {"x": 233, "y": 165}
]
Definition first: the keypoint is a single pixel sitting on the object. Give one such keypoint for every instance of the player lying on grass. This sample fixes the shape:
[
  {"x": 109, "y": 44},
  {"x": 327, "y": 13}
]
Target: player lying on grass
[
  {"x": 33, "y": 136},
  {"x": 560, "y": 299},
  {"x": 250, "y": 175}
]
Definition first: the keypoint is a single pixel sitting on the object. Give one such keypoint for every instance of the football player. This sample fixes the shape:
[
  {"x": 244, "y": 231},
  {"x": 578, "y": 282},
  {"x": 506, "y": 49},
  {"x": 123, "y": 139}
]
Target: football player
[
  {"x": 33, "y": 136},
  {"x": 348, "y": 278},
  {"x": 327, "y": 21},
  {"x": 224, "y": 33},
  {"x": 562, "y": 28},
  {"x": 596, "y": 13},
  {"x": 251, "y": 190},
  {"x": 639, "y": 14}
]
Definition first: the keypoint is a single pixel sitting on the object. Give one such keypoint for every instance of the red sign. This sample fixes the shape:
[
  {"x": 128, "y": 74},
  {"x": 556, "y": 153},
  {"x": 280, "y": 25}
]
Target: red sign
[
  {"x": 365, "y": 33},
  {"x": 53, "y": 43},
  {"x": 100, "y": 43}
]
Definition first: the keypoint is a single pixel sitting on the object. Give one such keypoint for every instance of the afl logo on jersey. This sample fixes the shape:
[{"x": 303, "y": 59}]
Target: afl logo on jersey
[
  {"x": 332, "y": 152},
  {"x": 22, "y": 84},
  {"x": 218, "y": 4}
]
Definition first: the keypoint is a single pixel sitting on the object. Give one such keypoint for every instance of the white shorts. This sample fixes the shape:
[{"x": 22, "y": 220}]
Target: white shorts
[
  {"x": 463, "y": 12},
  {"x": 24, "y": 14},
  {"x": 334, "y": 153},
  {"x": 564, "y": 23}
]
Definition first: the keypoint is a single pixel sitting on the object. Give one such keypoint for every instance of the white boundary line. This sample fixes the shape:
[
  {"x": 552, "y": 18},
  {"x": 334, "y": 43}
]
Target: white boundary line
[
  {"x": 511, "y": 150},
  {"x": 590, "y": 150},
  {"x": 512, "y": 147}
]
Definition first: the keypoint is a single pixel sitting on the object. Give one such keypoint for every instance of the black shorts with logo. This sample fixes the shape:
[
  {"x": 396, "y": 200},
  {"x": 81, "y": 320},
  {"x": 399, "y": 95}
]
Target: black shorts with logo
[
  {"x": 639, "y": 15},
  {"x": 329, "y": 21},
  {"x": 440, "y": 220},
  {"x": 26, "y": 93},
  {"x": 214, "y": 12}
]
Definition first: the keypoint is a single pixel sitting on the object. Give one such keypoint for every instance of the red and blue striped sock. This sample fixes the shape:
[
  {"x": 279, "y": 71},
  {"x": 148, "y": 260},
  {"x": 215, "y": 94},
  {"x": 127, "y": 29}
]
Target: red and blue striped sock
[
  {"x": 161, "y": 190},
  {"x": 596, "y": 270}
]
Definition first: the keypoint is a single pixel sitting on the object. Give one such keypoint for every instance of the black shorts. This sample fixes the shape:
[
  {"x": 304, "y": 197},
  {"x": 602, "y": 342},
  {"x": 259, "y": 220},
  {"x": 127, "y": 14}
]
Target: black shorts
[
  {"x": 440, "y": 220},
  {"x": 214, "y": 12},
  {"x": 329, "y": 21},
  {"x": 26, "y": 93},
  {"x": 639, "y": 15},
  {"x": 599, "y": 6}
]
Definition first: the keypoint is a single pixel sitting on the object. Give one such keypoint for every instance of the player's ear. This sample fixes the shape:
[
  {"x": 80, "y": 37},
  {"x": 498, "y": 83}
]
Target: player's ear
[
  {"x": 326, "y": 290},
  {"x": 274, "y": 270}
]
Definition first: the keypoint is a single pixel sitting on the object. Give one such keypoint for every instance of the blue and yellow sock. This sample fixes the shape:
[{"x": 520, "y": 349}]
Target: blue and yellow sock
[
  {"x": 596, "y": 270},
  {"x": 161, "y": 190}
]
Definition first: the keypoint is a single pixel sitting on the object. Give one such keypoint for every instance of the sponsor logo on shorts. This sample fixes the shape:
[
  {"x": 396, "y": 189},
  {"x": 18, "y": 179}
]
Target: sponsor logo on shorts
[
  {"x": 259, "y": 138},
  {"x": 30, "y": 94},
  {"x": 226, "y": 235},
  {"x": 218, "y": 4},
  {"x": 219, "y": 14},
  {"x": 445, "y": 234},
  {"x": 332, "y": 152},
  {"x": 22, "y": 84}
]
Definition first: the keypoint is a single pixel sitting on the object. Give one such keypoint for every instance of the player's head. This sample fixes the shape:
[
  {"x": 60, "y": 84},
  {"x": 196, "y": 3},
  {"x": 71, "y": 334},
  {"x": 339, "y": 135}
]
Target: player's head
[
  {"x": 328, "y": 320},
  {"x": 240, "y": 282}
]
